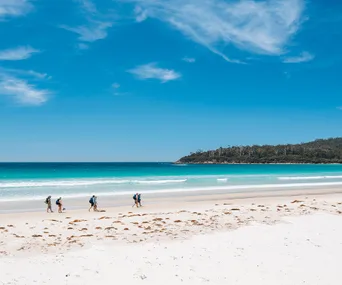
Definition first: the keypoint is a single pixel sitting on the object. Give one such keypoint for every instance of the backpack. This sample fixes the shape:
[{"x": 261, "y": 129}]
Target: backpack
[
  {"x": 91, "y": 201},
  {"x": 46, "y": 200},
  {"x": 57, "y": 202}
]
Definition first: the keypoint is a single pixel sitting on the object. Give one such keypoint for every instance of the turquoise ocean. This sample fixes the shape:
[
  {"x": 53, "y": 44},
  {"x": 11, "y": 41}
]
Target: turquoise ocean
[{"x": 35, "y": 181}]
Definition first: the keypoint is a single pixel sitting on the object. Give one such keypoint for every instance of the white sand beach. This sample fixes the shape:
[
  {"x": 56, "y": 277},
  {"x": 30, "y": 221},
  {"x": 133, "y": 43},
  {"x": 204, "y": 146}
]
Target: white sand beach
[{"x": 285, "y": 239}]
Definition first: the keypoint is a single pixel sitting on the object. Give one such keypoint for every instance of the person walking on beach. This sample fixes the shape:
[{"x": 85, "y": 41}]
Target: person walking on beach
[
  {"x": 59, "y": 204},
  {"x": 95, "y": 204},
  {"x": 92, "y": 202},
  {"x": 48, "y": 203},
  {"x": 137, "y": 200}
]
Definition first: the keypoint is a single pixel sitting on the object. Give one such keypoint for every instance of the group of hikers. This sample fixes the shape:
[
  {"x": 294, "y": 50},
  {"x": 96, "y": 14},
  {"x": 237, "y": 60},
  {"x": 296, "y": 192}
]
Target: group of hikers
[{"x": 92, "y": 202}]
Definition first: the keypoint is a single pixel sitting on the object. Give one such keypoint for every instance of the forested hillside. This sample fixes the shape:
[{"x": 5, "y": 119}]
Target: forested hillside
[{"x": 318, "y": 151}]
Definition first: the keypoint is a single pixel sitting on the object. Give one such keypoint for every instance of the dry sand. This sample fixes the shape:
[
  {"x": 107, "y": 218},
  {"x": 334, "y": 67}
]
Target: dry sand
[{"x": 273, "y": 240}]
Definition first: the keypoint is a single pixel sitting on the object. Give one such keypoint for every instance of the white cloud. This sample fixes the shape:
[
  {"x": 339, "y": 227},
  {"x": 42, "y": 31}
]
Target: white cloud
[
  {"x": 140, "y": 14},
  {"x": 96, "y": 25},
  {"x": 263, "y": 27},
  {"x": 22, "y": 91},
  {"x": 31, "y": 74},
  {"x": 18, "y": 53},
  {"x": 38, "y": 75},
  {"x": 152, "y": 71},
  {"x": 116, "y": 85},
  {"x": 339, "y": 108},
  {"x": 189, "y": 59},
  {"x": 303, "y": 57},
  {"x": 14, "y": 8},
  {"x": 88, "y": 6},
  {"x": 91, "y": 32}
]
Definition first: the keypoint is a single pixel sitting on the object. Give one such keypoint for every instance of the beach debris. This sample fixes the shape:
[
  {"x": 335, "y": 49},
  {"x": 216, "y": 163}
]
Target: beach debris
[
  {"x": 88, "y": 235},
  {"x": 70, "y": 228},
  {"x": 10, "y": 226},
  {"x": 235, "y": 209},
  {"x": 296, "y": 201},
  {"x": 104, "y": 218},
  {"x": 126, "y": 229},
  {"x": 157, "y": 219},
  {"x": 143, "y": 277},
  {"x": 135, "y": 215},
  {"x": 36, "y": 236},
  {"x": 110, "y": 228},
  {"x": 77, "y": 221},
  {"x": 98, "y": 228},
  {"x": 177, "y": 221},
  {"x": 83, "y": 229}
]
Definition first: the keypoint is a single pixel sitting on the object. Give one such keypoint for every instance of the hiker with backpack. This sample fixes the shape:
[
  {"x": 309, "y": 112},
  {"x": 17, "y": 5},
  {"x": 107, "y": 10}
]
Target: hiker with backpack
[
  {"x": 48, "y": 203},
  {"x": 59, "y": 204},
  {"x": 93, "y": 203},
  {"x": 137, "y": 200}
]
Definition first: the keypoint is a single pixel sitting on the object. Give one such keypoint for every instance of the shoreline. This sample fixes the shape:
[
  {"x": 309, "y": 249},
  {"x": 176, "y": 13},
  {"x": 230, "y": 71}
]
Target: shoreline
[{"x": 155, "y": 198}]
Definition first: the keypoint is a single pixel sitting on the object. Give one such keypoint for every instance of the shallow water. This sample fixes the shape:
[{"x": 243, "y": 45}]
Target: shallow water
[{"x": 35, "y": 181}]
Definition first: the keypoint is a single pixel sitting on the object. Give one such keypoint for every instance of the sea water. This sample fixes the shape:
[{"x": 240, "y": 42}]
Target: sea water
[{"x": 35, "y": 181}]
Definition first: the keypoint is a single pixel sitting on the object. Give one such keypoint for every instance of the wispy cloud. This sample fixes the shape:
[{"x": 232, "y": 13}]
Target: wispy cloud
[
  {"x": 18, "y": 53},
  {"x": 23, "y": 92},
  {"x": 303, "y": 57},
  {"x": 339, "y": 108},
  {"x": 28, "y": 74},
  {"x": 14, "y": 8},
  {"x": 152, "y": 71},
  {"x": 263, "y": 27},
  {"x": 189, "y": 59},
  {"x": 96, "y": 25},
  {"x": 116, "y": 85},
  {"x": 117, "y": 92}
]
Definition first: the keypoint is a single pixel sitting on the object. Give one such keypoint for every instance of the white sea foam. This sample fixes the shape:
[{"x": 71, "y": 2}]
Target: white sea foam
[
  {"x": 310, "y": 177},
  {"x": 57, "y": 183},
  {"x": 222, "y": 179},
  {"x": 85, "y": 182},
  {"x": 159, "y": 181},
  {"x": 231, "y": 188}
]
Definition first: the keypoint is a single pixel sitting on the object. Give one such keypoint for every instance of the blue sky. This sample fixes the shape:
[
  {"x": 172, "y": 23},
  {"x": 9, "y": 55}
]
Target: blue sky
[{"x": 148, "y": 80}]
